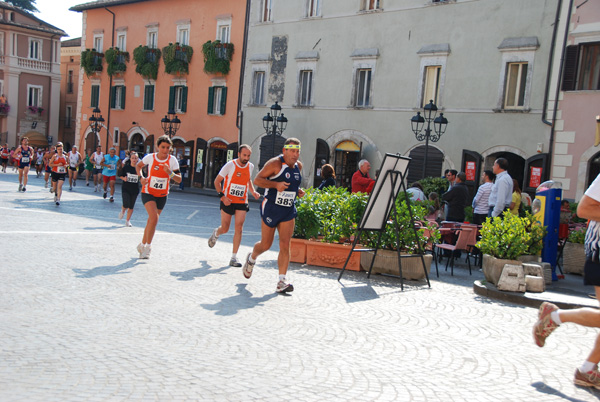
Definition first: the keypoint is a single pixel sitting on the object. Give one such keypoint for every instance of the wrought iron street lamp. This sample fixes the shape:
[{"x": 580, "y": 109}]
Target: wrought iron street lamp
[
  {"x": 170, "y": 123},
  {"x": 439, "y": 127},
  {"x": 96, "y": 121},
  {"x": 275, "y": 124}
]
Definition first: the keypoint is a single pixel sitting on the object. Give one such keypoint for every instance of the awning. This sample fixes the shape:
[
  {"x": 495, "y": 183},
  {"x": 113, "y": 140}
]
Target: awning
[
  {"x": 36, "y": 139},
  {"x": 348, "y": 146}
]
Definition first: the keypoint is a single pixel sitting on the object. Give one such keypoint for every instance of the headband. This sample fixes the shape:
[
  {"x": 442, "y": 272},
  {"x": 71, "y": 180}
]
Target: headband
[{"x": 291, "y": 146}]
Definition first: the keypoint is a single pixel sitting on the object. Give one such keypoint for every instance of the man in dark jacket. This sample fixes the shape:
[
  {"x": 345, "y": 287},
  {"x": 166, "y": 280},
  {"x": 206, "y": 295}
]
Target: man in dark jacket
[{"x": 457, "y": 198}]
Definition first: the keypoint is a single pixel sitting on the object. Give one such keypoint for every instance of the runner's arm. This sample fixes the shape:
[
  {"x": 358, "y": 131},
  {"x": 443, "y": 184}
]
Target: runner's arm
[
  {"x": 588, "y": 208},
  {"x": 270, "y": 168}
]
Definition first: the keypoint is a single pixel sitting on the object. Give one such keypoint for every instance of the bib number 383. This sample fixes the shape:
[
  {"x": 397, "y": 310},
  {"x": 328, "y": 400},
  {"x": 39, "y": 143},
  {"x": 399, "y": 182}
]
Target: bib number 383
[
  {"x": 285, "y": 198},
  {"x": 237, "y": 190},
  {"x": 159, "y": 183}
]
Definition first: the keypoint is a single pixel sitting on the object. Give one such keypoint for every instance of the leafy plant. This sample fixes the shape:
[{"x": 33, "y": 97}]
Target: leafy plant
[
  {"x": 116, "y": 60},
  {"x": 91, "y": 61},
  {"x": 35, "y": 109},
  {"x": 177, "y": 58},
  {"x": 577, "y": 236},
  {"x": 511, "y": 236},
  {"x": 217, "y": 57},
  {"x": 4, "y": 108},
  {"x": 434, "y": 184},
  {"x": 307, "y": 222},
  {"x": 146, "y": 61}
]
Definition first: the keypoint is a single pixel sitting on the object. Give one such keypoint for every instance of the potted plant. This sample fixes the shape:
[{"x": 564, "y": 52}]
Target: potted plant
[
  {"x": 217, "y": 57},
  {"x": 91, "y": 61},
  {"x": 4, "y": 109},
  {"x": 115, "y": 60},
  {"x": 504, "y": 240},
  {"x": 177, "y": 58},
  {"x": 146, "y": 61},
  {"x": 386, "y": 260},
  {"x": 574, "y": 252},
  {"x": 35, "y": 110},
  {"x": 307, "y": 225}
]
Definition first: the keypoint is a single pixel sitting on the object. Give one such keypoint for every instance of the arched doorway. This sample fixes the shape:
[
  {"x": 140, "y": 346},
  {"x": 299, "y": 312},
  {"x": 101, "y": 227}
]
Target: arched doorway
[
  {"x": 183, "y": 151},
  {"x": 516, "y": 164},
  {"x": 435, "y": 161},
  {"x": 593, "y": 169},
  {"x": 137, "y": 144},
  {"x": 91, "y": 141},
  {"x": 347, "y": 156},
  {"x": 217, "y": 157}
]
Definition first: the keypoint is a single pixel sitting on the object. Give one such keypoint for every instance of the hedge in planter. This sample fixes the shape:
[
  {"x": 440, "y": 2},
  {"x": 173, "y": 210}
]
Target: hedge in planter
[{"x": 146, "y": 61}]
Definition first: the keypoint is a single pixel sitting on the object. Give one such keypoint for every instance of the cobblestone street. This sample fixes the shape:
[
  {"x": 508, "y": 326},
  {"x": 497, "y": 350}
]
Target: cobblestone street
[{"x": 83, "y": 319}]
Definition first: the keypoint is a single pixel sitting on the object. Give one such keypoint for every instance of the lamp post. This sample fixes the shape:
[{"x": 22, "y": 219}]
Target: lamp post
[
  {"x": 439, "y": 127},
  {"x": 96, "y": 121},
  {"x": 275, "y": 123},
  {"x": 170, "y": 123}
]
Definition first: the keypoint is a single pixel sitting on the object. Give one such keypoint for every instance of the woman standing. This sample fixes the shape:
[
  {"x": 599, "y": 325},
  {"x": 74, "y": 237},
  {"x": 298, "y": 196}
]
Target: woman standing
[
  {"x": 328, "y": 175},
  {"x": 162, "y": 167},
  {"x": 516, "y": 198},
  {"x": 59, "y": 166},
  {"x": 130, "y": 188}
]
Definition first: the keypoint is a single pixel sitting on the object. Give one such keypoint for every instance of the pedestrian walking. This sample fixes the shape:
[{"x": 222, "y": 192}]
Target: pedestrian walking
[
  {"x": 74, "y": 161},
  {"x": 130, "y": 188},
  {"x": 97, "y": 158},
  {"x": 109, "y": 172},
  {"x": 162, "y": 167},
  {"x": 281, "y": 177},
  {"x": 59, "y": 164},
  {"x": 551, "y": 317},
  {"x": 24, "y": 154},
  {"x": 233, "y": 183}
]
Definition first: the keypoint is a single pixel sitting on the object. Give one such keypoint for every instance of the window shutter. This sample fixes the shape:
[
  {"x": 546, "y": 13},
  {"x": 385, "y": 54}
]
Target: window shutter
[
  {"x": 113, "y": 96},
  {"x": 211, "y": 100},
  {"x": 95, "y": 95},
  {"x": 171, "y": 98},
  {"x": 184, "y": 94},
  {"x": 123, "y": 98},
  {"x": 570, "y": 68},
  {"x": 223, "y": 99},
  {"x": 149, "y": 97}
]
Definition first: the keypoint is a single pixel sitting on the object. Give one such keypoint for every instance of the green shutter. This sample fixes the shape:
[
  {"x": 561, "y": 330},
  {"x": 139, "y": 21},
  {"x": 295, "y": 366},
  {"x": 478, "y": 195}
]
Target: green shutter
[
  {"x": 149, "y": 97},
  {"x": 123, "y": 97},
  {"x": 184, "y": 94},
  {"x": 211, "y": 100},
  {"x": 95, "y": 96},
  {"x": 172, "y": 98},
  {"x": 113, "y": 96},
  {"x": 223, "y": 99}
]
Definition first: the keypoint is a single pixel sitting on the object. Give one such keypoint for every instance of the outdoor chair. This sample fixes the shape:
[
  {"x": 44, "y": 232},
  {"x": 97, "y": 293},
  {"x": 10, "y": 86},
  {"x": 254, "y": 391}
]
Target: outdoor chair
[{"x": 464, "y": 235}]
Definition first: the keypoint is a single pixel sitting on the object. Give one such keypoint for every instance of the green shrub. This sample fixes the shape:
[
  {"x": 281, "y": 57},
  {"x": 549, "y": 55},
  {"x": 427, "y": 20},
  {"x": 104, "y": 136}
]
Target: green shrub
[
  {"x": 577, "y": 236},
  {"x": 434, "y": 184},
  {"x": 511, "y": 237}
]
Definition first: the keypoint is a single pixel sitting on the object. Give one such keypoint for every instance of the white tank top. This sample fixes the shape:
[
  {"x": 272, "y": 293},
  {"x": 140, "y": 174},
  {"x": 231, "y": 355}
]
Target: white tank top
[{"x": 73, "y": 159}]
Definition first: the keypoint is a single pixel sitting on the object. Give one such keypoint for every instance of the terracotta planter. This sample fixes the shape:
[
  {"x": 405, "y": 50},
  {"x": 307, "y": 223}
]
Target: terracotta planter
[
  {"x": 298, "y": 250},
  {"x": 386, "y": 262},
  {"x": 573, "y": 258},
  {"x": 492, "y": 267},
  {"x": 331, "y": 255}
]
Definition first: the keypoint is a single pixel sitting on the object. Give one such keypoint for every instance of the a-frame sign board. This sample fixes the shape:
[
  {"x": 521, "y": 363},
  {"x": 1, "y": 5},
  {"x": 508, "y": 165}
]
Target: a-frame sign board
[{"x": 381, "y": 206}]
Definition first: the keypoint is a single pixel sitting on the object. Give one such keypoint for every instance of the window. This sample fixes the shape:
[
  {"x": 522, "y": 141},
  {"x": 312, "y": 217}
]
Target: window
[
  {"x": 117, "y": 97},
  {"x": 305, "y": 88},
  {"x": 149, "y": 97},
  {"x": 224, "y": 33},
  {"x": 582, "y": 67},
  {"x": 178, "y": 99},
  {"x": 516, "y": 78},
  {"x": 266, "y": 10},
  {"x": 258, "y": 88},
  {"x": 68, "y": 116},
  {"x": 152, "y": 38},
  {"x": 70, "y": 82},
  {"x": 98, "y": 43},
  {"x": 313, "y": 8},
  {"x": 95, "y": 96},
  {"x": 217, "y": 99},
  {"x": 363, "y": 88},
  {"x": 432, "y": 84},
  {"x": 122, "y": 41},
  {"x": 35, "y": 49},
  {"x": 34, "y": 95},
  {"x": 183, "y": 35},
  {"x": 370, "y": 4}
]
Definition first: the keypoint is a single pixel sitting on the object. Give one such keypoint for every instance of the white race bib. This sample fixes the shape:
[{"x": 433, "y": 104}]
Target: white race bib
[
  {"x": 237, "y": 190},
  {"x": 285, "y": 198},
  {"x": 159, "y": 183},
  {"x": 25, "y": 159},
  {"x": 60, "y": 169},
  {"x": 132, "y": 178}
]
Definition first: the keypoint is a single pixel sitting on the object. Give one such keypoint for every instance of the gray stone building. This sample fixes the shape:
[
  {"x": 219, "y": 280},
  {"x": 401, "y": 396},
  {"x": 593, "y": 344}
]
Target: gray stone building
[{"x": 350, "y": 74}]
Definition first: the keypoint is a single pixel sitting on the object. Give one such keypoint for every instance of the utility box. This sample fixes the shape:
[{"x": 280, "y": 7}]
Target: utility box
[{"x": 546, "y": 210}]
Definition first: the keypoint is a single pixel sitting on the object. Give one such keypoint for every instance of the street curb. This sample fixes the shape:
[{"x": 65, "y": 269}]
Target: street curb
[{"x": 490, "y": 291}]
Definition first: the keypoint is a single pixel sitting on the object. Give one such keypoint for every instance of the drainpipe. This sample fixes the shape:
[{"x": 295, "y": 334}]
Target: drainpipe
[
  {"x": 240, "y": 114},
  {"x": 110, "y": 80},
  {"x": 558, "y": 85},
  {"x": 550, "y": 59}
]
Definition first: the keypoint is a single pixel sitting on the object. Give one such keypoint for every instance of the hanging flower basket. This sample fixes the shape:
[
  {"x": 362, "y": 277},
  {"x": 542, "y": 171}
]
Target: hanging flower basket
[
  {"x": 146, "y": 61},
  {"x": 91, "y": 61},
  {"x": 177, "y": 58},
  {"x": 116, "y": 61},
  {"x": 217, "y": 57}
]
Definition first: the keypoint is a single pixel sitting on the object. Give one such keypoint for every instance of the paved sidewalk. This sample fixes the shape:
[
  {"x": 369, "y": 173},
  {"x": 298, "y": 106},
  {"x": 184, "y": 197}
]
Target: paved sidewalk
[{"x": 83, "y": 319}]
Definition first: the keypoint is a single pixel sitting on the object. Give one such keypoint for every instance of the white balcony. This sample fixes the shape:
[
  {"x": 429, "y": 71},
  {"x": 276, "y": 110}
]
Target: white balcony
[{"x": 36, "y": 65}]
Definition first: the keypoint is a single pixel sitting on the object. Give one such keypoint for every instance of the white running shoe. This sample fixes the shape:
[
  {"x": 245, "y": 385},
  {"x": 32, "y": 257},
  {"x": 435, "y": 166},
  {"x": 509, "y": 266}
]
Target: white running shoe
[
  {"x": 234, "y": 262},
  {"x": 121, "y": 214},
  {"x": 147, "y": 251},
  {"x": 284, "y": 287},
  {"x": 95, "y": 189},
  {"x": 248, "y": 267},
  {"x": 212, "y": 240},
  {"x": 46, "y": 185},
  {"x": 140, "y": 249},
  {"x": 20, "y": 187},
  {"x": 128, "y": 224}
]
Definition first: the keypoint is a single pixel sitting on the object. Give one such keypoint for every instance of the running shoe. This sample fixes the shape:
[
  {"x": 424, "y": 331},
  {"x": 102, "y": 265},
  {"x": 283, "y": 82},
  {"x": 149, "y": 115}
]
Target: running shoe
[
  {"x": 24, "y": 189},
  {"x": 95, "y": 189},
  {"x": 121, "y": 214},
  {"x": 74, "y": 183},
  {"x": 140, "y": 249},
  {"x": 544, "y": 326},
  {"x": 46, "y": 185},
  {"x": 20, "y": 187},
  {"x": 71, "y": 188},
  {"x": 87, "y": 183},
  {"x": 104, "y": 195},
  {"x": 128, "y": 224},
  {"x": 57, "y": 202},
  {"x": 589, "y": 379},
  {"x": 212, "y": 240},
  {"x": 111, "y": 199},
  {"x": 234, "y": 262},
  {"x": 283, "y": 287},
  {"x": 55, "y": 198},
  {"x": 51, "y": 190},
  {"x": 248, "y": 267},
  {"x": 147, "y": 251}
]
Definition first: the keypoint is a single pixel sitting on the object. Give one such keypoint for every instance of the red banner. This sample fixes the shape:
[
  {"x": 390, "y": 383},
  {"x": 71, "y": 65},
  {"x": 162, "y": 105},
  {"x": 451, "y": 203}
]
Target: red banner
[
  {"x": 535, "y": 176},
  {"x": 470, "y": 171}
]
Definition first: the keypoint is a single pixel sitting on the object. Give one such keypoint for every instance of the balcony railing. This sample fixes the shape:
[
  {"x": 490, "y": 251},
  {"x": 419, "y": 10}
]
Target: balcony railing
[{"x": 36, "y": 65}]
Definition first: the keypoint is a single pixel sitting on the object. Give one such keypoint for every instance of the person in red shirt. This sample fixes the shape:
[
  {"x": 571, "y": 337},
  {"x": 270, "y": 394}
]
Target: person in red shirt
[{"x": 361, "y": 180}]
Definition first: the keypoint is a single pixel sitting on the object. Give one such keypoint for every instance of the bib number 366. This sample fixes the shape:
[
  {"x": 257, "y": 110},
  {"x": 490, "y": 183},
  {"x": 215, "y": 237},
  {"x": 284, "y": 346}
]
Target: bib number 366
[{"x": 285, "y": 198}]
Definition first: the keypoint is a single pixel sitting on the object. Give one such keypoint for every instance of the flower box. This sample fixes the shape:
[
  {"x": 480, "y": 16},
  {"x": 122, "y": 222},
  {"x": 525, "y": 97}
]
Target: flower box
[
  {"x": 386, "y": 262},
  {"x": 298, "y": 250},
  {"x": 492, "y": 267},
  {"x": 573, "y": 258},
  {"x": 331, "y": 255}
]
